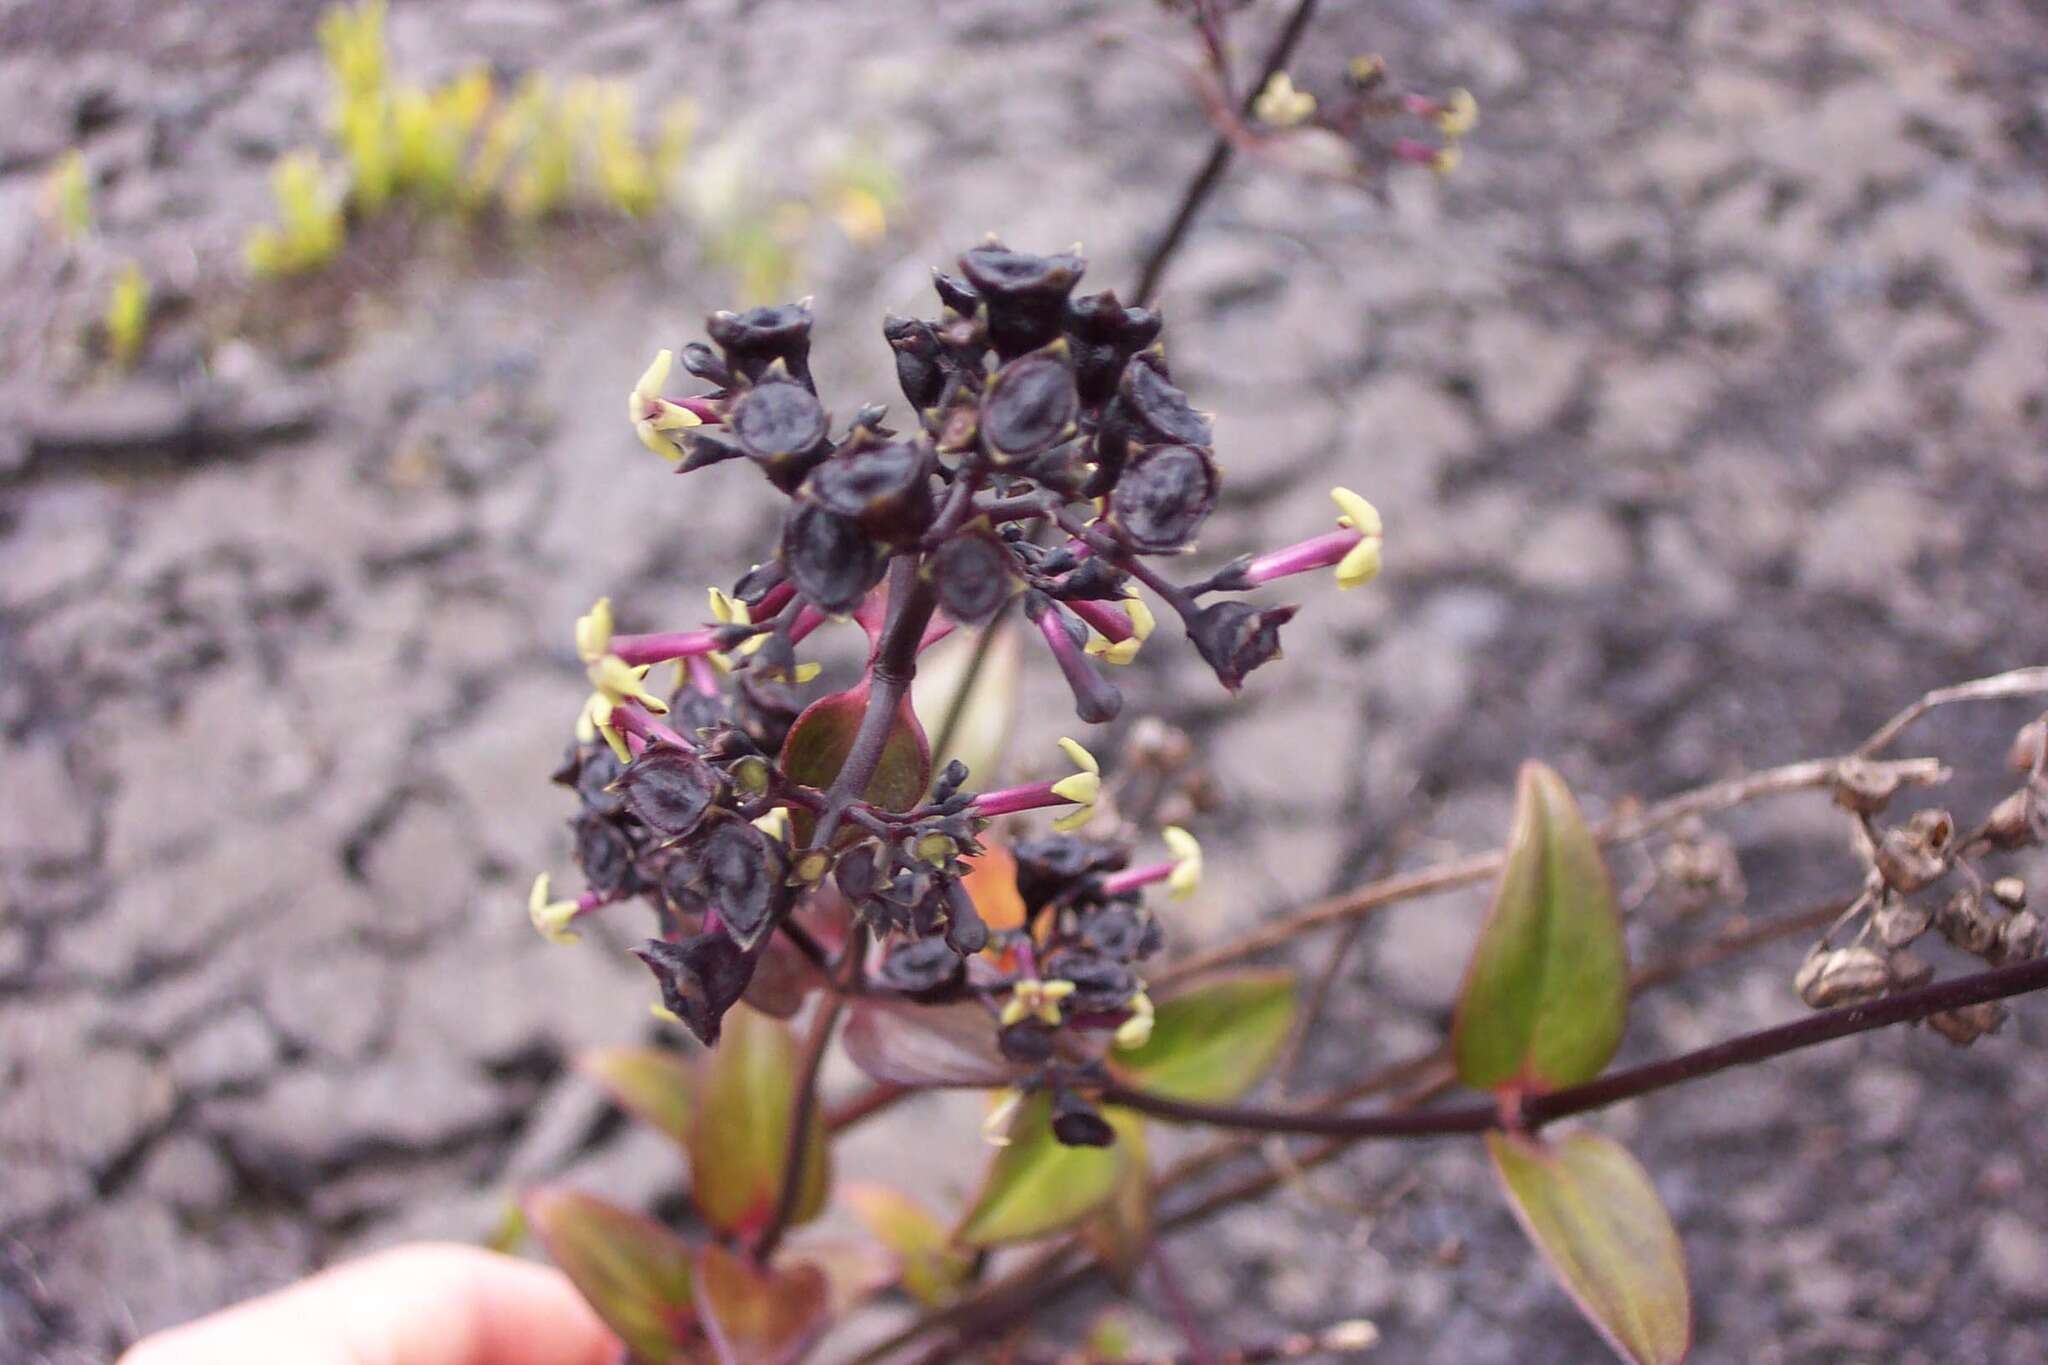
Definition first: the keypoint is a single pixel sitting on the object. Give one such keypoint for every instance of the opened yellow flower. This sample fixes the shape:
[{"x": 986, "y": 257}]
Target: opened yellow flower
[
  {"x": 654, "y": 417},
  {"x": 613, "y": 681},
  {"x": 1136, "y": 1031},
  {"x": 550, "y": 917},
  {"x": 1460, "y": 114},
  {"x": 1187, "y": 862},
  {"x": 1280, "y": 105},
  {"x": 1362, "y": 563},
  {"x": 1124, "y": 650},
  {"x": 1082, "y": 788},
  {"x": 1034, "y": 999}
]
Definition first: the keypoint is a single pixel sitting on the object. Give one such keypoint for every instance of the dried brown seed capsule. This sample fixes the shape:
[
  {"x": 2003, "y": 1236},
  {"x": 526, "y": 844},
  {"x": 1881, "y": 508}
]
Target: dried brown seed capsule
[
  {"x": 1900, "y": 923},
  {"x": 1865, "y": 787},
  {"x": 2019, "y": 938},
  {"x": 1912, "y": 855},
  {"x": 1908, "y": 970},
  {"x": 1165, "y": 494},
  {"x": 1025, "y": 295},
  {"x": 2029, "y": 747},
  {"x": 1964, "y": 922},
  {"x": 1841, "y": 976},
  {"x": 2018, "y": 821},
  {"x": 669, "y": 789},
  {"x": 1966, "y": 1025},
  {"x": 920, "y": 373},
  {"x": 830, "y": 559},
  {"x": 1031, "y": 405},
  {"x": 975, "y": 573}
]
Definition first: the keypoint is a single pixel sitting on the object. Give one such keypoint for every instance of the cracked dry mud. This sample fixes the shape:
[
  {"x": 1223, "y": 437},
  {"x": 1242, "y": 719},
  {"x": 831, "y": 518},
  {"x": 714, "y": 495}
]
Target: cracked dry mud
[{"x": 1705, "y": 406}]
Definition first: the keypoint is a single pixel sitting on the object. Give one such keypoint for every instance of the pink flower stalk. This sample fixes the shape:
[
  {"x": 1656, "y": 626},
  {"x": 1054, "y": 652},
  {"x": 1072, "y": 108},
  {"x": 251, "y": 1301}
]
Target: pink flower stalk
[{"x": 1317, "y": 552}]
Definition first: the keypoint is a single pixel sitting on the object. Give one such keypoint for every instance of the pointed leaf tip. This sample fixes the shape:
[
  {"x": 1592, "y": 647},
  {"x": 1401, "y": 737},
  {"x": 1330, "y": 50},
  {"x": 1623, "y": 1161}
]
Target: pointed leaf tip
[
  {"x": 1546, "y": 992},
  {"x": 1593, "y": 1213}
]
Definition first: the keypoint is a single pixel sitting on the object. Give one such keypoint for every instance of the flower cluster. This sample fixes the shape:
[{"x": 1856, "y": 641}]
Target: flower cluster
[{"x": 1048, "y": 461}]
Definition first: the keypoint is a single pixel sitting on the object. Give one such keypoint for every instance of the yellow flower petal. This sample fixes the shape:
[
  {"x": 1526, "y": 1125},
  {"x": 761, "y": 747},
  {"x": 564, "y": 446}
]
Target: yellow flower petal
[
  {"x": 594, "y": 631},
  {"x": 1187, "y": 862},
  {"x": 1280, "y": 105},
  {"x": 1460, "y": 115},
  {"x": 1142, "y": 620},
  {"x": 1074, "y": 819},
  {"x": 1079, "y": 756},
  {"x": 653, "y": 379},
  {"x": 1082, "y": 788}
]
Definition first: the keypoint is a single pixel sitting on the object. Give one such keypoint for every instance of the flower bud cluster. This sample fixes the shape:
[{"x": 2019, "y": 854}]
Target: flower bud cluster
[{"x": 1047, "y": 460}]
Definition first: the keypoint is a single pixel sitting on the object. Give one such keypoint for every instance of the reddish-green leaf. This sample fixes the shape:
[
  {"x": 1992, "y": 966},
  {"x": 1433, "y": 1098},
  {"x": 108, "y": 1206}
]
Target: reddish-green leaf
[
  {"x": 1546, "y": 992},
  {"x": 1120, "y": 1232},
  {"x": 925, "y": 1045},
  {"x": 759, "y": 1317},
  {"x": 738, "y": 1136},
  {"x": 817, "y": 746},
  {"x": 1591, "y": 1210},
  {"x": 1211, "y": 1042},
  {"x": 931, "y": 1269},
  {"x": 635, "y": 1273},
  {"x": 1036, "y": 1186},
  {"x": 650, "y": 1083},
  {"x": 855, "y": 1269}
]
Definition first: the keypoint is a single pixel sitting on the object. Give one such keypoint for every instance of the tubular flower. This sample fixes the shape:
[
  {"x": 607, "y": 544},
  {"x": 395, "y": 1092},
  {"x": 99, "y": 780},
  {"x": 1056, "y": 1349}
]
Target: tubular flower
[
  {"x": 1031, "y": 998},
  {"x": 1187, "y": 862},
  {"x": 551, "y": 918},
  {"x": 653, "y": 416},
  {"x": 1362, "y": 563}
]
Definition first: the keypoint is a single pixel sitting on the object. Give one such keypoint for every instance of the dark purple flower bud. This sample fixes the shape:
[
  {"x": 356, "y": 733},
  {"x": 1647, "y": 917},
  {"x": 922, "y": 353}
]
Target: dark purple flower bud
[
  {"x": 1106, "y": 335},
  {"x": 1027, "y": 1042},
  {"x": 1235, "y": 638},
  {"x": 1076, "y": 1123},
  {"x": 742, "y": 873},
  {"x": 701, "y": 978},
  {"x": 927, "y": 970},
  {"x": 781, "y": 425},
  {"x": 605, "y": 855},
  {"x": 920, "y": 372},
  {"x": 597, "y": 767},
  {"x": 669, "y": 789},
  {"x": 966, "y": 933},
  {"x": 831, "y": 560},
  {"x": 950, "y": 779},
  {"x": 974, "y": 573},
  {"x": 756, "y": 339},
  {"x": 887, "y": 489},
  {"x": 857, "y": 874},
  {"x": 701, "y": 361},
  {"x": 1026, "y": 295},
  {"x": 1101, "y": 983},
  {"x": 756, "y": 583},
  {"x": 1030, "y": 406},
  {"x": 1096, "y": 699},
  {"x": 1164, "y": 496}
]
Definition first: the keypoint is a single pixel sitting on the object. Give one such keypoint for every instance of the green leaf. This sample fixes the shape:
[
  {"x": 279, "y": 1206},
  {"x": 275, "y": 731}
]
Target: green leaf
[
  {"x": 817, "y": 746},
  {"x": 760, "y": 1317},
  {"x": 746, "y": 1087},
  {"x": 1592, "y": 1212},
  {"x": 650, "y": 1083},
  {"x": 988, "y": 712},
  {"x": 1036, "y": 1186},
  {"x": 1210, "y": 1043},
  {"x": 932, "y": 1270},
  {"x": 1546, "y": 993},
  {"x": 635, "y": 1273},
  {"x": 1120, "y": 1232}
]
